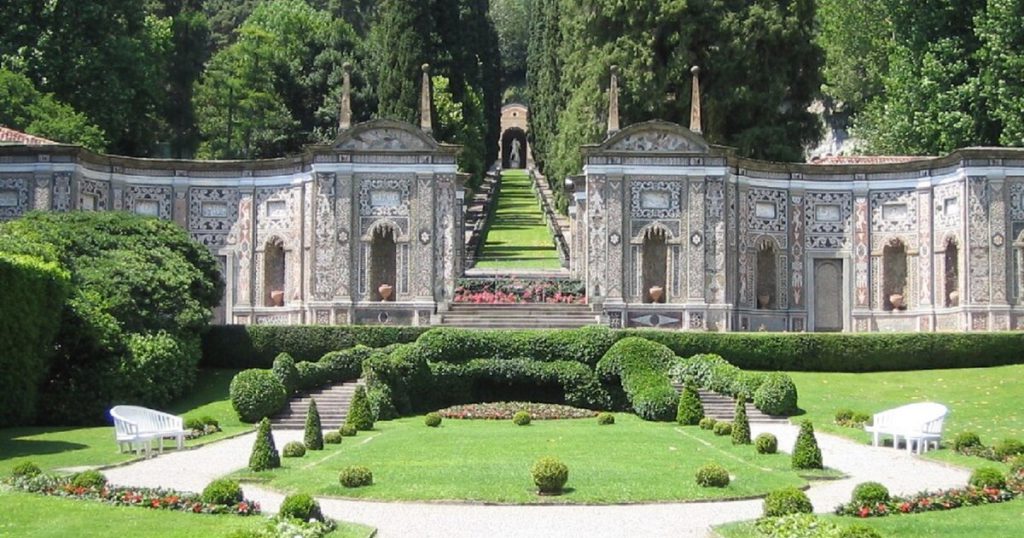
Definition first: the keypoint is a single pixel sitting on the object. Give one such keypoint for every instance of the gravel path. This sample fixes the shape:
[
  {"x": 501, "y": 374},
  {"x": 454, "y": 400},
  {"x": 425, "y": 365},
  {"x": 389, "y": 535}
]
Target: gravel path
[{"x": 902, "y": 473}]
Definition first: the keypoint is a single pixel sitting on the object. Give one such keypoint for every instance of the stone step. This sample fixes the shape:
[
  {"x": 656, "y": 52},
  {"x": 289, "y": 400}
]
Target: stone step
[
  {"x": 722, "y": 407},
  {"x": 331, "y": 402}
]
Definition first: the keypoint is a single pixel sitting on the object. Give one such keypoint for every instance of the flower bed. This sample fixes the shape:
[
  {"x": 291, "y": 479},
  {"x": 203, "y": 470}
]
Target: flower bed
[
  {"x": 940, "y": 500},
  {"x": 505, "y": 411},
  {"x": 511, "y": 291}
]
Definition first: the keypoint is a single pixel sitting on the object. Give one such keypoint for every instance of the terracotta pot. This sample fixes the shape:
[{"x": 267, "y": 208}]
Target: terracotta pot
[
  {"x": 954, "y": 298},
  {"x": 763, "y": 300},
  {"x": 385, "y": 291},
  {"x": 896, "y": 300},
  {"x": 656, "y": 293},
  {"x": 277, "y": 298}
]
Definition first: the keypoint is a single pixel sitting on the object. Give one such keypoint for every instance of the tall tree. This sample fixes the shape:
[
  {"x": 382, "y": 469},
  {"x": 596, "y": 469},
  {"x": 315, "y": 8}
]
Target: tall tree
[
  {"x": 25, "y": 108},
  {"x": 189, "y": 51},
  {"x": 1002, "y": 66},
  {"x": 402, "y": 41},
  {"x": 512, "y": 24}
]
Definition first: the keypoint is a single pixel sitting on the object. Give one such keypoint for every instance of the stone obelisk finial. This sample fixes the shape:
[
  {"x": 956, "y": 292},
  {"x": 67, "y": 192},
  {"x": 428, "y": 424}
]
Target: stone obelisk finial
[
  {"x": 425, "y": 102},
  {"x": 695, "y": 101},
  {"x": 345, "y": 114},
  {"x": 613, "y": 102}
]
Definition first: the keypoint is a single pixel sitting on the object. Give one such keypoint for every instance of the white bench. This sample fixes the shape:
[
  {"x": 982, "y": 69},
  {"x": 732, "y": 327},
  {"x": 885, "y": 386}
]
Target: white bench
[
  {"x": 917, "y": 422},
  {"x": 138, "y": 427}
]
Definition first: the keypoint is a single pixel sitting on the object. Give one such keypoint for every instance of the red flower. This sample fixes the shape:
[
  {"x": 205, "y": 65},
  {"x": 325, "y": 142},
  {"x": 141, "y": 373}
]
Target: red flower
[
  {"x": 864, "y": 511},
  {"x": 905, "y": 507}
]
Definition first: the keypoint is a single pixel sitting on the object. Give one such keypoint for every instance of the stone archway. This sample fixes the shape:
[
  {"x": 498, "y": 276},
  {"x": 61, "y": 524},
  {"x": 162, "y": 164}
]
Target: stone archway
[
  {"x": 514, "y": 126},
  {"x": 513, "y": 148}
]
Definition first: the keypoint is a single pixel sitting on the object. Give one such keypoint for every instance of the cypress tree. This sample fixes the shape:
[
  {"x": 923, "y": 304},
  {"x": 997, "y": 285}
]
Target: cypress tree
[
  {"x": 402, "y": 37},
  {"x": 359, "y": 414},
  {"x": 690, "y": 410},
  {"x": 806, "y": 454},
  {"x": 740, "y": 423},
  {"x": 314, "y": 437},
  {"x": 264, "y": 453}
]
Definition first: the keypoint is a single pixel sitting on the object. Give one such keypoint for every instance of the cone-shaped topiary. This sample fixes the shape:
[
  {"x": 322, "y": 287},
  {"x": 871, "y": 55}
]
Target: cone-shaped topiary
[
  {"x": 690, "y": 410},
  {"x": 264, "y": 453},
  {"x": 740, "y": 423},
  {"x": 806, "y": 454},
  {"x": 359, "y": 414},
  {"x": 314, "y": 437}
]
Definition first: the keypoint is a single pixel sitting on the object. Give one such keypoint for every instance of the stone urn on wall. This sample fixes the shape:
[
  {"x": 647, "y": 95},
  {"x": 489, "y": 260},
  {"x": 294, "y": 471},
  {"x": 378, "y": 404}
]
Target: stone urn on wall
[
  {"x": 385, "y": 291},
  {"x": 954, "y": 298},
  {"x": 763, "y": 300},
  {"x": 656, "y": 292},
  {"x": 897, "y": 301},
  {"x": 276, "y": 297}
]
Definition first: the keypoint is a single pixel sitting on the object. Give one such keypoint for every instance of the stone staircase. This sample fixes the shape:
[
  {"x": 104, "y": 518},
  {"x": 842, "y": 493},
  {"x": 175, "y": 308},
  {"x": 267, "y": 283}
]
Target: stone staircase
[
  {"x": 721, "y": 407},
  {"x": 331, "y": 402},
  {"x": 518, "y": 316}
]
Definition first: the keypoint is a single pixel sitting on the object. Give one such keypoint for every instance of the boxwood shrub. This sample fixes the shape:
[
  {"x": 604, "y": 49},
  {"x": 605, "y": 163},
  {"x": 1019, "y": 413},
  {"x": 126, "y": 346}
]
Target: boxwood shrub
[
  {"x": 642, "y": 366},
  {"x": 301, "y": 506},
  {"x": 785, "y": 501},
  {"x": 869, "y": 494},
  {"x": 550, "y": 475},
  {"x": 987, "y": 477},
  {"x": 355, "y": 476},
  {"x": 256, "y": 394},
  {"x": 712, "y": 475},
  {"x": 776, "y": 395},
  {"x": 223, "y": 491},
  {"x": 585, "y": 345}
]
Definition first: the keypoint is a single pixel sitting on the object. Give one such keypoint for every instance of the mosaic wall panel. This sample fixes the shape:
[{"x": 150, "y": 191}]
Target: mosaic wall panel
[
  {"x": 13, "y": 197},
  {"x": 715, "y": 231},
  {"x": 767, "y": 212},
  {"x": 695, "y": 253},
  {"x": 325, "y": 274},
  {"x": 445, "y": 239},
  {"x": 385, "y": 195},
  {"x": 1017, "y": 201},
  {"x": 62, "y": 191},
  {"x": 948, "y": 206},
  {"x": 796, "y": 268},
  {"x": 597, "y": 233},
  {"x": 614, "y": 276},
  {"x": 893, "y": 213},
  {"x": 978, "y": 236},
  {"x": 93, "y": 195},
  {"x": 861, "y": 252},
  {"x": 997, "y": 208},
  {"x": 828, "y": 219},
  {"x": 149, "y": 200},
  {"x": 745, "y": 243},
  {"x": 422, "y": 266},
  {"x": 924, "y": 254},
  {"x": 652, "y": 198},
  {"x": 211, "y": 214},
  {"x": 43, "y": 199}
]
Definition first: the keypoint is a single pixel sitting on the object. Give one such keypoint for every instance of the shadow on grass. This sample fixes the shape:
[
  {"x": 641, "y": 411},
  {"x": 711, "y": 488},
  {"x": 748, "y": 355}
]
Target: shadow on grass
[{"x": 11, "y": 447}]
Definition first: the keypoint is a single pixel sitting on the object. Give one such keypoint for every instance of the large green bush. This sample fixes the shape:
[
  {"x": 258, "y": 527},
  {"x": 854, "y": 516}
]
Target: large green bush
[
  {"x": 287, "y": 374},
  {"x": 642, "y": 366},
  {"x": 776, "y": 395},
  {"x": 586, "y": 345},
  {"x": 256, "y": 394},
  {"x": 785, "y": 501}
]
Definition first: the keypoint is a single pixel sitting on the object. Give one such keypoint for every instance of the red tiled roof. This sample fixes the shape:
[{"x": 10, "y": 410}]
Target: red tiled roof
[
  {"x": 10, "y": 136},
  {"x": 865, "y": 159}
]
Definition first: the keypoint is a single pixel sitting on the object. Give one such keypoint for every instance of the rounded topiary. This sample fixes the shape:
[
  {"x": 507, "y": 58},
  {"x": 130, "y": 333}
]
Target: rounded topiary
[
  {"x": 264, "y": 454},
  {"x": 26, "y": 468},
  {"x": 690, "y": 410},
  {"x": 332, "y": 438},
  {"x": 858, "y": 531},
  {"x": 432, "y": 420},
  {"x": 194, "y": 424},
  {"x": 550, "y": 475},
  {"x": 294, "y": 449},
  {"x": 223, "y": 491},
  {"x": 89, "y": 479},
  {"x": 1008, "y": 448},
  {"x": 360, "y": 415},
  {"x": 301, "y": 506},
  {"x": 256, "y": 394},
  {"x": 355, "y": 476},
  {"x": 605, "y": 419},
  {"x": 766, "y": 443},
  {"x": 712, "y": 475},
  {"x": 521, "y": 418},
  {"x": 987, "y": 477},
  {"x": 707, "y": 423},
  {"x": 869, "y": 494},
  {"x": 284, "y": 368},
  {"x": 784, "y": 501},
  {"x": 723, "y": 428},
  {"x": 965, "y": 440},
  {"x": 740, "y": 423},
  {"x": 776, "y": 395},
  {"x": 806, "y": 454},
  {"x": 313, "y": 437},
  {"x": 348, "y": 430}
]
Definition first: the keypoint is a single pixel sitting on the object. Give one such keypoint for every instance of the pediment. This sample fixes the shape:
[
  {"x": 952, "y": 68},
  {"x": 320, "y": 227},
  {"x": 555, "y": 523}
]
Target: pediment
[
  {"x": 385, "y": 135},
  {"x": 656, "y": 136}
]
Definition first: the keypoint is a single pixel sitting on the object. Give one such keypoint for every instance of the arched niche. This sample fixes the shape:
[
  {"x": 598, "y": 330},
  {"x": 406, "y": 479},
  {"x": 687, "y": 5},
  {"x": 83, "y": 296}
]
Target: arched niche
[
  {"x": 894, "y": 276},
  {"x": 383, "y": 268},
  {"x": 766, "y": 279},
  {"x": 654, "y": 270},
  {"x": 513, "y": 138},
  {"x": 951, "y": 273},
  {"x": 274, "y": 268}
]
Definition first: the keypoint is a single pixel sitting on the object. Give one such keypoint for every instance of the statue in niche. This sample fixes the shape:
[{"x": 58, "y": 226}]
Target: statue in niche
[{"x": 514, "y": 159}]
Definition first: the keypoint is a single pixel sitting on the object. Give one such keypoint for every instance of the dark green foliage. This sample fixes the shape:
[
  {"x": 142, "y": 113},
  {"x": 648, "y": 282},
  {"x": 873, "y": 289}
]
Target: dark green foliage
[
  {"x": 806, "y": 454},
  {"x": 26, "y": 468},
  {"x": 740, "y": 423},
  {"x": 549, "y": 475},
  {"x": 402, "y": 44},
  {"x": 255, "y": 346},
  {"x": 359, "y": 414},
  {"x": 586, "y": 345},
  {"x": 301, "y": 506},
  {"x": 223, "y": 491},
  {"x": 690, "y": 411},
  {"x": 432, "y": 420},
  {"x": 89, "y": 479},
  {"x": 256, "y": 394},
  {"x": 1009, "y": 447},
  {"x": 712, "y": 475},
  {"x": 210, "y": 421},
  {"x": 766, "y": 443},
  {"x": 24, "y": 108},
  {"x": 869, "y": 494},
  {"x": 284, "y": 369},
  {"x": 332, "y": 438},
  {"x": 707, "y": 423},
  {"x": 987, "y": 477},
  {"x": 313, "y": 436},
  {"x": 776, "y": 395},
  {"x": 605, "y": 419},
  {"x": 1016, "y": 464},
  {"x": 722, "y": 428},
  {"x": 858, "y": 531},
  {"x": 355, "y": 476},
  {"x": 964, "y": 440},
  {"x": 777, "y": 391},
  {"x": 521, "y": 418},
  {"x": 194, "y": 424},
  {"x": 347, "y": 430},
  {"x": 785, "y": 501},
  {"x": 293, "y": 449},
  {"x": 642, "y": 366},
  {"x": 264, "y": 454}
]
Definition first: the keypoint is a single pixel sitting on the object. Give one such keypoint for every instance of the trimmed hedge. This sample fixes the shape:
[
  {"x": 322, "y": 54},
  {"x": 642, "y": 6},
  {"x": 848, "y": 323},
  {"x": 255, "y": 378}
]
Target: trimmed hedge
[
  {"x": 562, "y": 382},
  {"x": 643, "y": 367},
  {"x": 773, "y": 392},
  {"x": 586, "y": 345}
]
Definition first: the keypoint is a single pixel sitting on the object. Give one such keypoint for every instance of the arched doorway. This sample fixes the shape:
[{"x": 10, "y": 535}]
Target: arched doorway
[
  {"x": 273, "y": 273},
  {"x": 383, "y": 263},
  {"x": 513, "y": 148},
  {"x": 655, "y": 265}
]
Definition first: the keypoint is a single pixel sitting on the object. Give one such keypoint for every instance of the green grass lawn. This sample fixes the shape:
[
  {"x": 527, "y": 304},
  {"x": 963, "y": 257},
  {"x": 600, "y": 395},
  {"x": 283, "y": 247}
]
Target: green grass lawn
[
  {"x": 54, "y": 447},
  {"x": 27, "y": 515},
  {"x": 518, "y": 237},
  {"x": 990, "y": 521},
  {"x": 630, "y": 461}
]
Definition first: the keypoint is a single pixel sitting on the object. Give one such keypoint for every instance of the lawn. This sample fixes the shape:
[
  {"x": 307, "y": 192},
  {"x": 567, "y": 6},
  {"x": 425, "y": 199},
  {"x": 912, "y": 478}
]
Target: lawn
[
  {"x": 518, "y": 237},
  {"x": 991, "y": 521},
  {"x": 28, "y": 515},
  {"x": 490, "y": 461},
  {"x": 54, "y": 447}
]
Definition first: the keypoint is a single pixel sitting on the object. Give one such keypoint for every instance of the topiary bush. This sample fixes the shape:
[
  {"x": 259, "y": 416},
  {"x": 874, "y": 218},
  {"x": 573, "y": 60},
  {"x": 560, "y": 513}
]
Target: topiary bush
[
  {"x": 294, "y": 449},
  {"x": 740, "y": 423},
  {"x": 987, "y": 477},
  {"x": 432, "y": 420},
  {"x": 776, "y": 395},
  {"x": 223, "y": 491},
  {"x": 347, "y": 430},
  {"x": 313, "y": 437},
  {"x": 550, "y": 475},
  {"x": 1008, "y": 448},
  {"x": 858, "y": 531},
  {"x": 89, "y": 479},
  {"x": 26, "y": 469},
  {"x": 194, "y": 424},
  {"x": 964, "y": 440},
  {"x": 642, "y": 367},
  {"x": 359, "y": 414},
  {"x": 806, "y": 454},
  {"x": 605, "y": 419},
  {"x": 869, "y": 494},
  {"x": 285, "y": 371},
  {"x": 707, "y": 423},
  {"x": 256, "y": 394},
  {"x": 690, "y": 410},
  {"x": 521, "y": 418},
  {"x": 766, "y": 443},
  {"x": 264, "y": 454},
  {"x": 785, "y": 501},
  {"x": 712, "y": 475},
  {"x": 723, "y": 428},
  {"x": 301, "y": 506},
  {"x": 355, "y": 476},
  {"x": 332, "y": 438}
]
